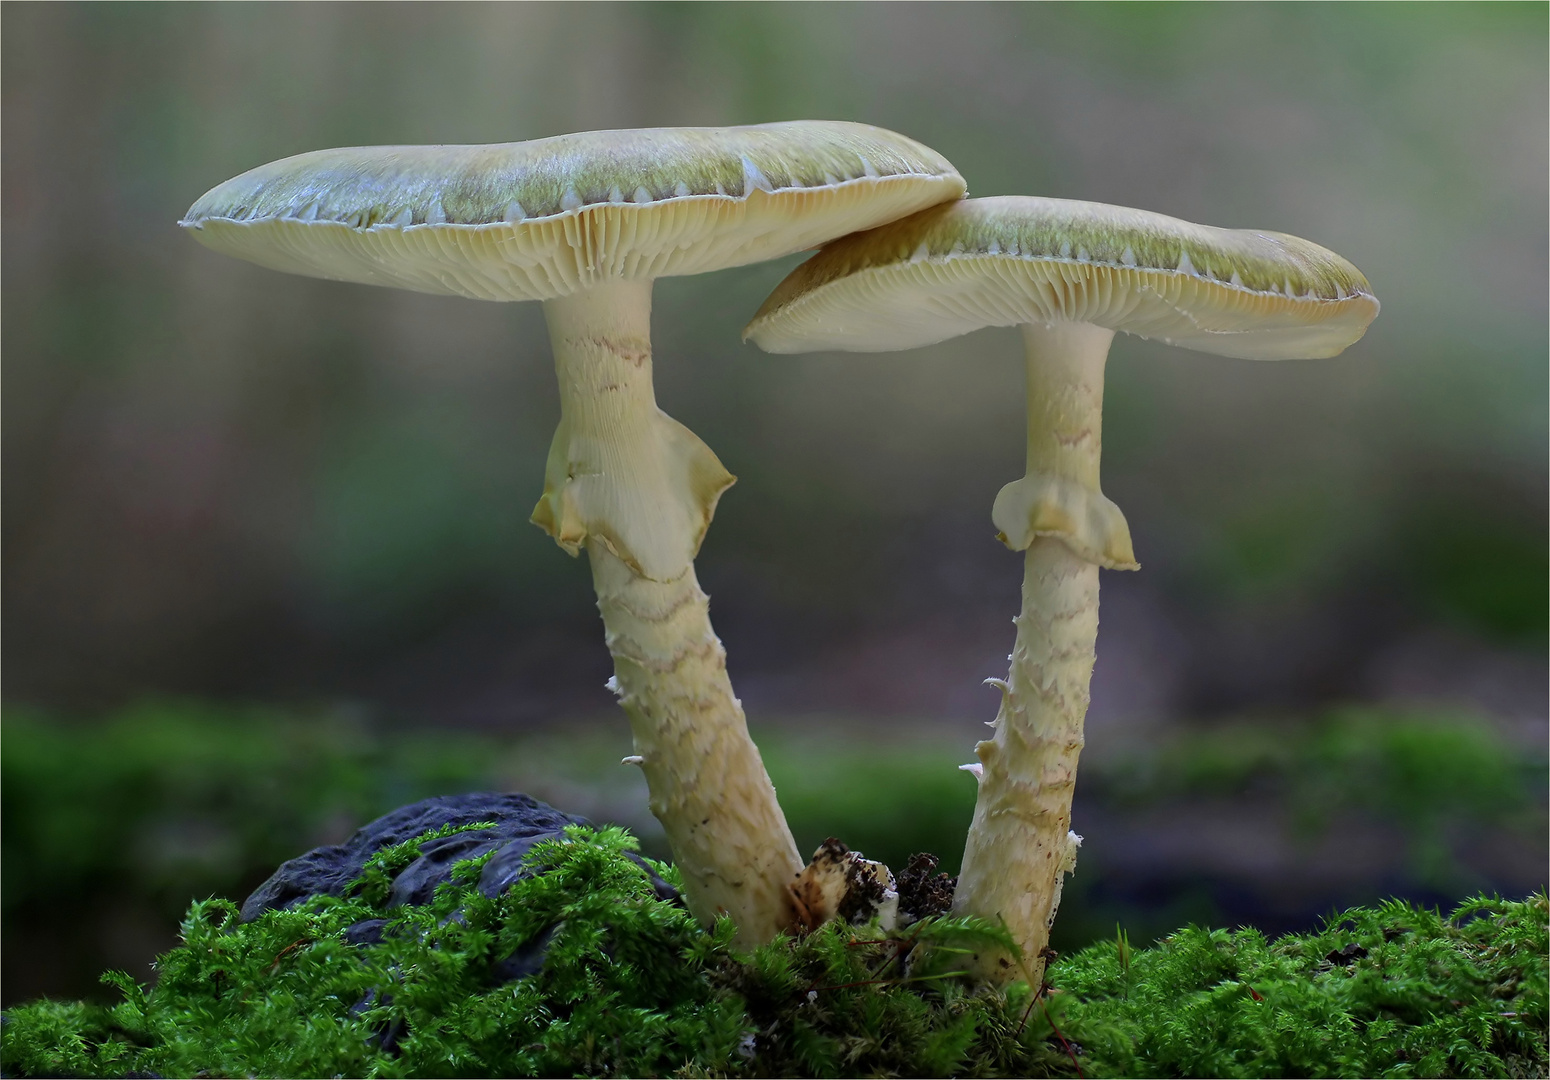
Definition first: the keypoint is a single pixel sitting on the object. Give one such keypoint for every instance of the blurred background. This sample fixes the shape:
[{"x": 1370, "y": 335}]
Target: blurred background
[{"x": 267, "y": 569}]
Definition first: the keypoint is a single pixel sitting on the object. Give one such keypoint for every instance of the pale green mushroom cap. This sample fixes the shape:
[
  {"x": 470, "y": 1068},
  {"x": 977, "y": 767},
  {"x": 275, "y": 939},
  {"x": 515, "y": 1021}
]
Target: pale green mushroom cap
[
  {"x": 1012, "y": 260},
  {"x": 547, "y": 218}
]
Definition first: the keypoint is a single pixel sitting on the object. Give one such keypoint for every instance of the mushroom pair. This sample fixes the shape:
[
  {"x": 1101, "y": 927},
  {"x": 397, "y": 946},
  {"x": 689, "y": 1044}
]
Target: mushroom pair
[
  {"x": 1069, "y": 274},
  {"x": 585, "y": 223}
]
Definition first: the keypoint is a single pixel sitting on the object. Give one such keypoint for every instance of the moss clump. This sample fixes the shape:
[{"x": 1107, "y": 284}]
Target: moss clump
[
  {"x": 1394, "y": 990},
  {"x": 620, "y": 982}
]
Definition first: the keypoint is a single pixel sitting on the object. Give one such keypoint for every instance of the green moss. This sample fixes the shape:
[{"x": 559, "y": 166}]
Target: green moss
[
  {"x": 286, "y": 995},
  {"x": 1394, "y": 990},
  {"x": 630, "y": 985}
]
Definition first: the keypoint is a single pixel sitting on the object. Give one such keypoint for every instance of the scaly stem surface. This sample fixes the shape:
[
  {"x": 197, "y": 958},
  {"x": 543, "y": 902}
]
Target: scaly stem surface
[
  {"x": 1020, "y": 843},
  {"x": 638, "y": 489}
]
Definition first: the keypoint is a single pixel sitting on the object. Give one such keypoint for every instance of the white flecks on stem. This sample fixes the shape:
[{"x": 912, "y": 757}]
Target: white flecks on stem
[
  {"x": 1020, "y": 845},
  {"x": 1067, "y": 866}
]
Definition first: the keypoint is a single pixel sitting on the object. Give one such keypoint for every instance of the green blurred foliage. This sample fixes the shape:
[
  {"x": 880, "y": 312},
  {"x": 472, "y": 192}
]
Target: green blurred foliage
[
  {"x": 172, "y": 799},
  {"x": 1418, "y": 768},
  {"x": 408, "y": 520},
  {"x": 1487, "y": 574},
  {"x": 1433, "y": 778},
  {"x": 139, "y": 812},
  {"x": 888, "y": 801}
]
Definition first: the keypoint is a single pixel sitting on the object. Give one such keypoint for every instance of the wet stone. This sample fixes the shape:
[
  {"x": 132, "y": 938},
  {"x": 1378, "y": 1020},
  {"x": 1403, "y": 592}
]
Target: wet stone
[
  {"x": 527, "y": 960},
  {"x": 1346, "y": 955},
  {"x": 517, "y": 824},
  {"x": 325, "y": 871},
  {"x": 365, "y": 932}
]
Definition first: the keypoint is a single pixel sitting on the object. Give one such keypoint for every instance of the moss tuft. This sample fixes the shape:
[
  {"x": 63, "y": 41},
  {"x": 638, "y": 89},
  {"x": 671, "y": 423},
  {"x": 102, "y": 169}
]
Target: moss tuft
[
  {"x": 1394, "y": 990},
  {"x": 619, "y": 982}
]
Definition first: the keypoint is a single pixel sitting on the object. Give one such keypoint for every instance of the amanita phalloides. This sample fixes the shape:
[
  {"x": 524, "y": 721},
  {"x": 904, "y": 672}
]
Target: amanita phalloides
[
  {"x": 1069, "y": 274},
  {"x": 585, "y": 223}
]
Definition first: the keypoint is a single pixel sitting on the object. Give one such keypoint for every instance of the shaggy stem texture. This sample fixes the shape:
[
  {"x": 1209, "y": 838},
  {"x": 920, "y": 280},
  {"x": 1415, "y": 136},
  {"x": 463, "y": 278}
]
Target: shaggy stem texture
[
  {"x": 637, "y": 489},
  {"x": 1020, "y": 843},
  {"x": 707, "y": 781}
]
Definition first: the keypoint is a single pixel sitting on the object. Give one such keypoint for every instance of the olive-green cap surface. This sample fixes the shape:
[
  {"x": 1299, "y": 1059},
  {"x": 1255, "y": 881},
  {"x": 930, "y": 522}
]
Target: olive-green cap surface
[
  {"x": 546, "y": 218},
  {"x": 1011, "y": 260}
]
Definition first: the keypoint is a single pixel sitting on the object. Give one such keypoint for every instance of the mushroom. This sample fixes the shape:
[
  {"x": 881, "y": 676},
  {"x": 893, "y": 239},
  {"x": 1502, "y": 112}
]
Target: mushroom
[
  {"x": 1069, "y": 274},
  {"x": 585, "y": 223}
]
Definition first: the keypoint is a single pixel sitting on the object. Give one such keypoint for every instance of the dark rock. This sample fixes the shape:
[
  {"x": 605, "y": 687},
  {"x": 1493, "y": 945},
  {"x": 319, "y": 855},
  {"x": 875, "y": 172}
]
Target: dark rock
[
  {"x": 365, "y": 932},
  {"x": 325, "y": 871},
  {"x": 384, "y": 1037},
  {"x": 517, "y": 824},
  {"x": 1347, "y": 954},
  {"x": 505, "y": 866},
  {"x": 527, "y": 960}
]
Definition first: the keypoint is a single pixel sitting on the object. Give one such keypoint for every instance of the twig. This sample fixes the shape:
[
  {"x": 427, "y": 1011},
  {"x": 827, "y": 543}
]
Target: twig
[
  {"x": 281, "y": 954},
  {"x": 1064, "y": 1044},
  {"x": 1028, "y": 1012},
  {"x": 889, "y": 982}
]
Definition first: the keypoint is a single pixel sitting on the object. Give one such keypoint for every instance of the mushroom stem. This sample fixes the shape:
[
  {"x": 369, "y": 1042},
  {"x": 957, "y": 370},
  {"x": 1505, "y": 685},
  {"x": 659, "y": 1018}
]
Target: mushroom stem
[
  {"x": 1020, "y": 843},
  {"x": 638, "y": 489}
]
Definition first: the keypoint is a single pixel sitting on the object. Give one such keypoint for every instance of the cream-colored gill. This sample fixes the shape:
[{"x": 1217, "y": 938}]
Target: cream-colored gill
[
  {"x": 547, "y": 218},
  {"x": 1006, "y": 261}
]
